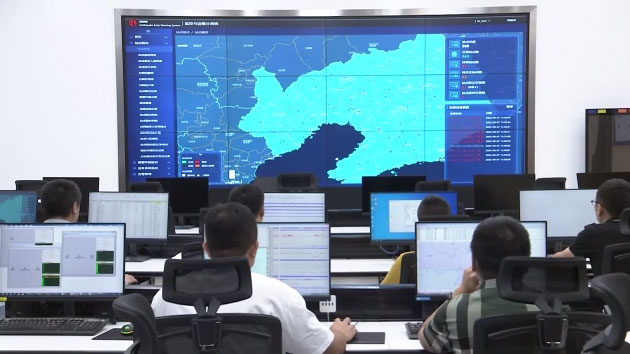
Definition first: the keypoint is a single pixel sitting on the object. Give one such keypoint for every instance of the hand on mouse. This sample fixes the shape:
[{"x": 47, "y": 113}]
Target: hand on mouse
[{"x": 344, "y": 327}]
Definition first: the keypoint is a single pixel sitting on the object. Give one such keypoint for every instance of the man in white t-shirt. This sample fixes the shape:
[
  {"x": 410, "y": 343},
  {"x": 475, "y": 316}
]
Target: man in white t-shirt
[{"x": 231, "y": 231}]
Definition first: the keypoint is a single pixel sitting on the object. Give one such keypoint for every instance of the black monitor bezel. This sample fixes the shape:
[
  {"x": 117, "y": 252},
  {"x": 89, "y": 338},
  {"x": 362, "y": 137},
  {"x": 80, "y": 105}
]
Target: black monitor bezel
[
  {"x": 489, "y": 176},
  {"x": 178, "y": 183},
  {"x": 153, "y": 240},
  {"x": 309, "y": 297},
  {"x": 438, "y": 296},
  {"x": 583, "y": 177},
  {"x": 72, "y": 297}
]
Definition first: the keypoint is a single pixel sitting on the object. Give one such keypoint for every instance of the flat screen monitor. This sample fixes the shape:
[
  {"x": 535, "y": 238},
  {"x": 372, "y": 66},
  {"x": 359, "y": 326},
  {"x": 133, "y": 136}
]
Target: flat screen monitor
[
  {"x": 393, "y": 216},
  {"x": 594, "y": 180},
  {"x": 371, "y": 185},
  {"x": 295, "y": 207},
  {"x": 443, "y": 253},
  {"x": 87, "y": 185},
  {"x": 500, "y": 193},
  {"x": 297, "y": 254},
  {"x": 18, "y": 206},
  {"x": 236, "y": 95},
  {"x": 145, "y": 214},
  {"x": 566, "y": 211},
  {"x": 186, "y": 195},
  {"x": 62, "y": 260}
]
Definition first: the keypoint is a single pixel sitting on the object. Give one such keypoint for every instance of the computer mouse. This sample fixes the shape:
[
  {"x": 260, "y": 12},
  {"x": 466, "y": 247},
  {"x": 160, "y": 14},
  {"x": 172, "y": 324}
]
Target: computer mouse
[{"x": 126, "y": 329}]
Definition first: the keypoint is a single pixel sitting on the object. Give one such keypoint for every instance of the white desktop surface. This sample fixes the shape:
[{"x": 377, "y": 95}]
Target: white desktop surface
[
  {"x": 395, "y": 337},
  {"x": 156, "y": 265},
  {"x": 67, "y": 344}
]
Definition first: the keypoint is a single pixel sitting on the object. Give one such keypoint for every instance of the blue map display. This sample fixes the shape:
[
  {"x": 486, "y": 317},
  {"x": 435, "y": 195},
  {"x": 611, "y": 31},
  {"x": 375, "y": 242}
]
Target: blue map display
[{"x": 236, "y": 99}]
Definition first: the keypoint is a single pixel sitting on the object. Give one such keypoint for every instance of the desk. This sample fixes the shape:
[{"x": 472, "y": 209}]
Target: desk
[
  {"x": 395, "y": 340},
  {"x": 63, "y": 344}
]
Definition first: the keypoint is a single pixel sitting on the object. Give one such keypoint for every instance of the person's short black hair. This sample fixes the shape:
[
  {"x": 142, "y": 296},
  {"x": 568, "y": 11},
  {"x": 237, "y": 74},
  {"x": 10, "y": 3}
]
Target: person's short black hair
[
  {"x": 249, "y": 195},
  {"x": 58, "y": 196},
  {"x": 433, "y": 205},
  {"x": 614, "y": 196},
  {"x": 496, "y": 238},
  {"x": 230, "y": 229}
]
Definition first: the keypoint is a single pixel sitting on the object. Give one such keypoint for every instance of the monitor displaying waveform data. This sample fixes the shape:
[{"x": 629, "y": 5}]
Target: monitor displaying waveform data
[
  {"x": 18, "y": 206},
  {"x": 393, "y": 216},
  {"x": 297, "y": 254},
  {"x": 144, "y": 214},
  {"x": 566, "y": 211},
  {"x": 295, "y": 207},
  {"x": 233, "y": 98},
  {"x": 443, "y": 253},
  {"x": 62, "y": 260}
]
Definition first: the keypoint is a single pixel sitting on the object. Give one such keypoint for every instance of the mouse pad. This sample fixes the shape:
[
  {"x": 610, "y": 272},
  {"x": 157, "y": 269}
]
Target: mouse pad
[
  {"x": 113, "y": 334},
  {"x": 368, "y": 338}
]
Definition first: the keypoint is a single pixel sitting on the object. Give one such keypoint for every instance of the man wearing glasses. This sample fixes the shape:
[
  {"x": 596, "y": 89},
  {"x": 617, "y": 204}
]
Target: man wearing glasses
[{"x": 612, "y": 197}]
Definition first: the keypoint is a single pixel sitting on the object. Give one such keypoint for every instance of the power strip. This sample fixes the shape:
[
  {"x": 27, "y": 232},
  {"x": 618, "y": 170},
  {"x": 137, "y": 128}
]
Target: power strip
[{"x": 328, "y": 306}]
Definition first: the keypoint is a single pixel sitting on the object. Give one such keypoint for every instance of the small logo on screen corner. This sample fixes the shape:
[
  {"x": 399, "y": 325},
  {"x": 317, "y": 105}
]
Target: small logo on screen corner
[{"x": 132, "y": 22}]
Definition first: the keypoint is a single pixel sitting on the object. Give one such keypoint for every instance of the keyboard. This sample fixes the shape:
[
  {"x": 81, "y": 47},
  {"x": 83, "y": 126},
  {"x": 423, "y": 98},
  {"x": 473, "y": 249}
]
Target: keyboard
[
  {"x": 52, "y": 326},
  {"x": 412, "y": 329}
]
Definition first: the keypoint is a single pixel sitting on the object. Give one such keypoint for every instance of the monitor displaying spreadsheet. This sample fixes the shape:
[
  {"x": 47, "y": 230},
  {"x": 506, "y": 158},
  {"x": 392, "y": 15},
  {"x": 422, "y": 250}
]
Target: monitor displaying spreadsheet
[{"x": 295, "y": 207}]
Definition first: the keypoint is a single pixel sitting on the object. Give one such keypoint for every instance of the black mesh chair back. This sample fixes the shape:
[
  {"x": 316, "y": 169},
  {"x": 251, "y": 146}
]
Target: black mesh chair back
[
  {"x": 135, "y": 308},
  {"x": 408, "y": 268},
  {"x": 29, "y": 184},
  {"x": 616, "y": 258},
  {"x": 624, "y": 221},
  {"x": 146, "y": 187},
  {"x": 550, "y": 183},
  {"x": 297, "y": 182},
  {"x": 614, "y": 289},
  {"x": 433, "y": 186}
]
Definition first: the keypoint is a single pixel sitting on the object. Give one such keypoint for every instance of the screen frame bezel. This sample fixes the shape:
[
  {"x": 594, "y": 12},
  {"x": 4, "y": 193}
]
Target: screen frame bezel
[
  {"x": 73, "y": 297},
  {"x": 530, "y": 11}
]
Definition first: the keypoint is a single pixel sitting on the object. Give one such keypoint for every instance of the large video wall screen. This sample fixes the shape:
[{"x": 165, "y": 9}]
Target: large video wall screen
[{"x": 343, "y": 97}]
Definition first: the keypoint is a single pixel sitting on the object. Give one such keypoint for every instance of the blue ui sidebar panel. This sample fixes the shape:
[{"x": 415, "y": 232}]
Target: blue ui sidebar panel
[
  {"x": 150, "y": 110},
  {"x": 485, "y": 114}
]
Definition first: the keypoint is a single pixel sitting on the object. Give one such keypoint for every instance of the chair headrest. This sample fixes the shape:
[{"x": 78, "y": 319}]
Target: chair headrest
[
  {"x": 614, "y": 289},
  {"x": 624, "y": 222},
  {"x": 226, "y": 280},
  {"x": 526, "y": 279}
]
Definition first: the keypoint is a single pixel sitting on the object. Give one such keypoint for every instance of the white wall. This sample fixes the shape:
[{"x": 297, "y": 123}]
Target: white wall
[{"x": 58, "y": 90}]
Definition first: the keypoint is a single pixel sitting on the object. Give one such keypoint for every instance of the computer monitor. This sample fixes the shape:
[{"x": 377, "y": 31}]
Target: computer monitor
[
  {"x": 18, "y": 206},
  {"x": 566, "y": 211},
  {"x": 499, "y": 193},
  {"x": 87, "y": 185},
  {"x": 186, "y": 195},
  {"x": 393, "y": 216},
  {"x": 295, "y": 207},
  {"x": 297, "y": 254},
  {"x": 594, "y": 180},
  {"x": 376, "y": 184},
  {"x": 64, "y": 261},
  {"x": 443, "y": 253},
  {"x": 145, "y": 214}
]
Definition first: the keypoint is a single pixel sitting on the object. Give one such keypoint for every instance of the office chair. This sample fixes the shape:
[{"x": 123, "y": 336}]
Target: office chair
[
  {"x": 550, "y": 183},
  {"x": 614, "y": 289},
  {"x": 616, "y": 258},
  {"x": 146, "y": 187},
  {"x": 135, "y": 308},
  {"x": 408, "y": 268},
  {"x": 433, "y": 186},
  {"x": 297, "y": 182},
  {"x": 206, "y": 284},
  {"x": 624, "y": 221},
  {"x": 29, "y": 184},
  {"x": 547, "y": 283}
]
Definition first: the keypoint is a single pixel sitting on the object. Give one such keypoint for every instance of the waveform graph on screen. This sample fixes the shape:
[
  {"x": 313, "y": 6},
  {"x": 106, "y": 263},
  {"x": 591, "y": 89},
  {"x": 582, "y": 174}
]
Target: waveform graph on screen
[{"x": 234, "y": 98}]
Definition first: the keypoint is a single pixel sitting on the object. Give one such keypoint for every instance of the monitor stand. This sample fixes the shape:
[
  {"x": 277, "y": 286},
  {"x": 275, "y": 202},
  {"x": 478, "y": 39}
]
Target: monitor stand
[{"x": 133, "y": 256}]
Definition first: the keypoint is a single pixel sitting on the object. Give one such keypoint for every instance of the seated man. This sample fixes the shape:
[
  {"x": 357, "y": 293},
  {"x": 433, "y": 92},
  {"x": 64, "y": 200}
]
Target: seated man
[
  {"x": 252, "y": 197},
  {"x": 612, "y": 197},
  {"x": 433, "y": 205},
  {"x": 61, "y": 201},
  {"x": 231, "y": 231},
  {"x": 450, "y": 327}
]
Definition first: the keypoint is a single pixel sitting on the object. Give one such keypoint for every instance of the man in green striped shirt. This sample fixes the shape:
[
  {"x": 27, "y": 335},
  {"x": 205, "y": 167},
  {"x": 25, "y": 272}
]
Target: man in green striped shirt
[{"x": 450, "y": 327}]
